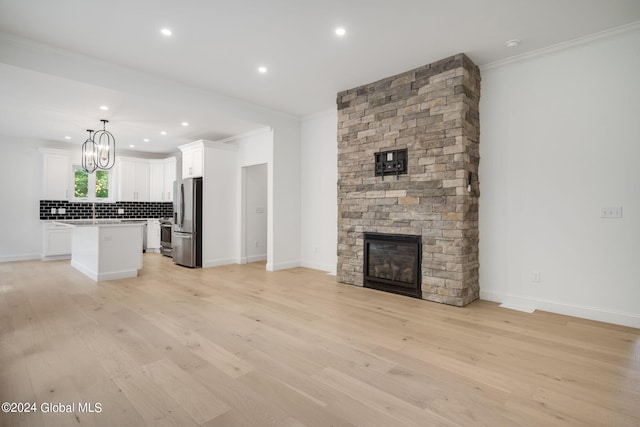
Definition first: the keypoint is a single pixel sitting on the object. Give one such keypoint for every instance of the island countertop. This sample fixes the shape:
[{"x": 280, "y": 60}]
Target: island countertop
[{"x": 100, "y": 222}]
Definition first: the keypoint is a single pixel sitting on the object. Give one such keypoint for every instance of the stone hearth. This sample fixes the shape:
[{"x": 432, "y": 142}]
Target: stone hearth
[{"x": 432, "y": 112}]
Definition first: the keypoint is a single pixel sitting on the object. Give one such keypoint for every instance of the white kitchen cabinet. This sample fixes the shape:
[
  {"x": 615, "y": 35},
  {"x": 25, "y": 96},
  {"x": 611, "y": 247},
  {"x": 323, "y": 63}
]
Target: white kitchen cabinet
[
  {"x": 156, "y": 181},
  {"x": 56, "y": 174},
  {"x": 169, "y": 177},
  {"x": 56, "y": 241},
  {"x": 162, "y": 173},
  {"x": 153, "y": 235},
  {"x": 133, "y": 180},
  {"x": 142, "y": 181},
  {"x": 192, "y": 160}
]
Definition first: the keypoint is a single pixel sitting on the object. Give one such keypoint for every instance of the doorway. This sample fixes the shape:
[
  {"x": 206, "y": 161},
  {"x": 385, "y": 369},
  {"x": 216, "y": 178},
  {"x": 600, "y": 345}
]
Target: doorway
[{"x": 255, "y": 218}]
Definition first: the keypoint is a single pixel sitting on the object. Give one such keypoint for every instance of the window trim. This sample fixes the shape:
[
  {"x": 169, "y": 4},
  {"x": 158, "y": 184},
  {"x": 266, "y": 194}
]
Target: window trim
[{"x": 91, "y": 187}]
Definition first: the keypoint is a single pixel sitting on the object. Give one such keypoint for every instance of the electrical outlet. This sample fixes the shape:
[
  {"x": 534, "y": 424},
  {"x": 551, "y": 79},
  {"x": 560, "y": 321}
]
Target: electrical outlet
[
  {"x": 535, "y": 277},
  {"x": 120, "y": 211},
  {"x": 62, "y": 211}
]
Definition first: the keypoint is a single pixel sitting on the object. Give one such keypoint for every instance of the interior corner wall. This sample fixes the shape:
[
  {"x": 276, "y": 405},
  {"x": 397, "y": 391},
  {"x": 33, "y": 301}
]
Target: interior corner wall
[
  {"x": 285, "y": 207},
  {"x": 319, "y": 210},
  {"x": 560, "y": 141},
  {"x": 256, "y": 216},
  {"x": 21, "y": 177}
]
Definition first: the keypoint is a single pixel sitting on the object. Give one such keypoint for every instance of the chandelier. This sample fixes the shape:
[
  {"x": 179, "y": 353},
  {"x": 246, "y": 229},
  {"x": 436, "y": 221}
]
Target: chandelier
[
  {"x": 99, "y": 151},
  {"x": 105, "y": 146},
  {"x": 89, "y": 154}
]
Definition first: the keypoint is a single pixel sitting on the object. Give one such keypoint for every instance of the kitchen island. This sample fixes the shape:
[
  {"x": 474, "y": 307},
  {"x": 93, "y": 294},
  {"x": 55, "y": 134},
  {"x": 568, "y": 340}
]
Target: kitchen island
[{"x": 106, "y": 249}]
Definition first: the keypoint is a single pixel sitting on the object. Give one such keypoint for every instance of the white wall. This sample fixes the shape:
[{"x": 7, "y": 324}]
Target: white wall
[
  {"x": 20, "y": 189},
  {"x": 255, "y": 218},
  {"x": 285, "y": 208},
  {"x": 319, "y": 194},
  {"x": 220, "y": 190},
  {"x": 559, "y": 141}
]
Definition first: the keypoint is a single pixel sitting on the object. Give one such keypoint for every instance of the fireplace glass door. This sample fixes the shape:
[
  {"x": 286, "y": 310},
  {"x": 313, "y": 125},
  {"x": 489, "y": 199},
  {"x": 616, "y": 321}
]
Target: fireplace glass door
[{"x": 392, "y": 263}]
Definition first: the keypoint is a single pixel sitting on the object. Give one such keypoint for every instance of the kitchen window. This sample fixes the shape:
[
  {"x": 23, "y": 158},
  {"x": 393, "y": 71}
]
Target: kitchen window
[{"x": 92, "y": 187}]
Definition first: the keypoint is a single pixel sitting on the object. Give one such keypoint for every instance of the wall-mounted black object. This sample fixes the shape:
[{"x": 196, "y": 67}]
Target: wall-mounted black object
[{"x": 393, "y": 162}]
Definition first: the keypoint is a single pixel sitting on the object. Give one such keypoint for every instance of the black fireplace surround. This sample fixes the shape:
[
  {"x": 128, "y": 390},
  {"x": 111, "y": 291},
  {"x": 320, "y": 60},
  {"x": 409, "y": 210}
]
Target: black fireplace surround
[{"x": 392, "y": 263}]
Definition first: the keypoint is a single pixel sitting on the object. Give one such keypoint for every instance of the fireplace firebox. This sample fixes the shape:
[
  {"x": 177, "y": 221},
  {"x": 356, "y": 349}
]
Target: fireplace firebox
[{"x": 392, "y": 263}]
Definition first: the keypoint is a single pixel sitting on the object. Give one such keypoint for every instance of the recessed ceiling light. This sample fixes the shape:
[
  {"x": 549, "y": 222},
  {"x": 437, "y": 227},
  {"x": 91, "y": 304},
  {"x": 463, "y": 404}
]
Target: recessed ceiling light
[
  {"x": 341, "y": 31},
  {"x": 163, "y": 132},
  {"x": 146, "y": 140},
  {"x": 104, "y": 108},
  {"x": 67, "y": 137},
  {"x": 185, "y": 124},
  {"x": 262, "y": 69},
  {"x": 131, "y": 145},
  {"x": 513, "y": 43},
  {"x": 166, "y": 32}
]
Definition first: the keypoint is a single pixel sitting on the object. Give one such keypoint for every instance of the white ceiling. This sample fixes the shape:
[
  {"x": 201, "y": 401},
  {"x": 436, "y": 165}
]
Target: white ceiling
[{"x": 217, "y": 46}]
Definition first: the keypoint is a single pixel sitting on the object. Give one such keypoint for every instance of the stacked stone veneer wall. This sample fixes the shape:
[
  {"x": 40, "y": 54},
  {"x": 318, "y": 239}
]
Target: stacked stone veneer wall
[{"x": 433, "y": 112}]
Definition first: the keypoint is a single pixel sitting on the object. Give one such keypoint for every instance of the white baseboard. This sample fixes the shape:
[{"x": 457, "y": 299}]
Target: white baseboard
[
  {"x": 218, "y": 262},
  {"x": 55, "y": 257},
  {"x": 282, "y": 265},
  {"x": 110, "y": 275},
  {"x": 592, "y": 313},
  {"x": 526, "y": 308},
  {"x": 24, "y": 257},
  {"x": 115, "y": 275},
  {"x": 331, "y": 269},
  {"x": 84, "y": 270},
  {"x": 256, "y": 258}
]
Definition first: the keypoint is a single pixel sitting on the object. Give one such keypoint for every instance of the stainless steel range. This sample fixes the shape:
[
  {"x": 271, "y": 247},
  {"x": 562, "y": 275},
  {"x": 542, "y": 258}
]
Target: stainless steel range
[{"x": 166, "y": 225}]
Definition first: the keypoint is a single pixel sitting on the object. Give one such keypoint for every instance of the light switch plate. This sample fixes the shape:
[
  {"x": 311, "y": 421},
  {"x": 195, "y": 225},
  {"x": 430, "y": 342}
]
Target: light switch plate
[
  {"x": 120, "y": 211},
  {"x": 535, "y": 276},
  {"x": 611, "y": 212},
  {"x": 62, "y": 211},
  {"x": 53, "y": 211}
]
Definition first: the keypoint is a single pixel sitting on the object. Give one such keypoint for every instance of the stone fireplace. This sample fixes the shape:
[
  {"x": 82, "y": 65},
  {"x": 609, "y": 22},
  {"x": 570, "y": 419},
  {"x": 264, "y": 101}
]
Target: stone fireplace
[{"x": 432, "y": 113}]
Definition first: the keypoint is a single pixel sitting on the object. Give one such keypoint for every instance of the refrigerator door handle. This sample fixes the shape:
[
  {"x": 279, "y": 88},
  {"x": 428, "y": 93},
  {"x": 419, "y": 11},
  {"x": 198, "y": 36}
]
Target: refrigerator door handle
[{"x": 181, "y": 205}]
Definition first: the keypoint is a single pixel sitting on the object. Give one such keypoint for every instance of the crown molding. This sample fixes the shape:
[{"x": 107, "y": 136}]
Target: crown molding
[
  {"x": 564, "y": 45},
  {"x": 248, "y": 134}
]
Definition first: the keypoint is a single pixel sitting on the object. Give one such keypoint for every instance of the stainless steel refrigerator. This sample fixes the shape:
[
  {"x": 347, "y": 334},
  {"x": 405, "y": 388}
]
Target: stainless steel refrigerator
[{"x": 187, "y": 229}]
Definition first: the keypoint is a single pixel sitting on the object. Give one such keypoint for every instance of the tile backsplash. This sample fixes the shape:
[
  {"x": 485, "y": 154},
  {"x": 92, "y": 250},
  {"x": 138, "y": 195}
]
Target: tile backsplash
[{"x": 104, "y": 210}]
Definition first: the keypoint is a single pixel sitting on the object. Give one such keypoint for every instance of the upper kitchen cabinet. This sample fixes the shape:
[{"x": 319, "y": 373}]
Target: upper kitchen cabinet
[
  {"x": 133, "y": 179},
  {"x": 56, "y": 174},
  {"x": 192, "y": 159},
  {"x": 156, "y": 181},
  {"x": 169, "y": 177},
  {"x": 162, "y": 173}
]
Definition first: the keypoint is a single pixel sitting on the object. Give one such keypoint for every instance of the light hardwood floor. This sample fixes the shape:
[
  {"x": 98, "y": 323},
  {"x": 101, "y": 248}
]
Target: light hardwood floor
[{"x": 239, "y": 346}]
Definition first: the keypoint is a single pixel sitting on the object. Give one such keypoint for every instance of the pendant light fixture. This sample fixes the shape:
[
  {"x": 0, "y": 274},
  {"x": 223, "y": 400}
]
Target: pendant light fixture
[
  {"x": 89, "y": 154},
  {"x": 105, "y": 144}
]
